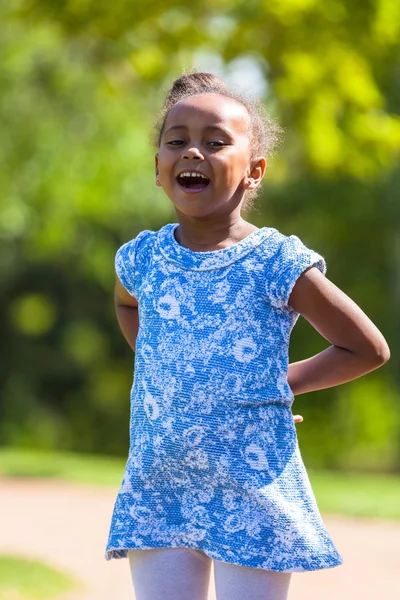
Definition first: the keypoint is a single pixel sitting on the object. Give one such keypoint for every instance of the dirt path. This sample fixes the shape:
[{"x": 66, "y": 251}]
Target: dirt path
[{"x": 66, "y": 525}]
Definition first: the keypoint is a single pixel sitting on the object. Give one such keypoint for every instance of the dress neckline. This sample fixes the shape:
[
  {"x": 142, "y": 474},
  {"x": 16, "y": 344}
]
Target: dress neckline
[{"x": 189, "y": 259}]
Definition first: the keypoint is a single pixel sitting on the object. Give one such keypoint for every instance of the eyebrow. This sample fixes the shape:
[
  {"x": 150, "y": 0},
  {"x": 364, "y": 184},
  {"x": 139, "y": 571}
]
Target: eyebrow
[{"x": 212, "y": 127}]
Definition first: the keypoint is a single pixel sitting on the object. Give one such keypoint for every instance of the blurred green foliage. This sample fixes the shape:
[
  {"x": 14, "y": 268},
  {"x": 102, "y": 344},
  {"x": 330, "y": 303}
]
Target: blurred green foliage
[
  {"x": 26, "y": 579},
  {"x": 80, "y": 85}
]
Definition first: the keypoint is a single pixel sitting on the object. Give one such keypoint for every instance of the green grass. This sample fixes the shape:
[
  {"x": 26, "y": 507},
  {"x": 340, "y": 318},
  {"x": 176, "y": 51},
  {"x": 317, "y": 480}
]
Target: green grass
[
  {"x": 355, "y": 494},
  {"x": 58, "y": 465},
  {"x": 25, "y": 579},
  {"x": 337, "y": 493}
]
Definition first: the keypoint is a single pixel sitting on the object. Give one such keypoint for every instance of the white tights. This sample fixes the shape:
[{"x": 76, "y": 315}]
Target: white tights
[{"x": 183, "y": 574}]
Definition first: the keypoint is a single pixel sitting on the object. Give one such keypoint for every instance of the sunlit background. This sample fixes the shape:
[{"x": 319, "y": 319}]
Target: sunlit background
[{"x": 81, "y": 83}]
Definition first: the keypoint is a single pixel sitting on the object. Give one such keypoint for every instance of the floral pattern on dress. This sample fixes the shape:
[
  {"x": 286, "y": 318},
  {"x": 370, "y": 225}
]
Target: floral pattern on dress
[{"x": 214, "y": 462}]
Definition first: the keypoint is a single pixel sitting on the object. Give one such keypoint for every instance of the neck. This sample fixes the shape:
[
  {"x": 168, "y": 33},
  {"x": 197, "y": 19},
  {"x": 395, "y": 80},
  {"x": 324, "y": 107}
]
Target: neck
[{"x": 206, "y": 234}]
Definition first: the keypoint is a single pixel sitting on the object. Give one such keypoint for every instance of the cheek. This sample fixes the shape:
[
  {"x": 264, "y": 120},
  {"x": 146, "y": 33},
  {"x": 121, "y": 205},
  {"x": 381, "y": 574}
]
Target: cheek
[
  {"x": 239, "y": 160},
  {"x": 235, "y": 168},
  {"x": 165, "y": 163}
]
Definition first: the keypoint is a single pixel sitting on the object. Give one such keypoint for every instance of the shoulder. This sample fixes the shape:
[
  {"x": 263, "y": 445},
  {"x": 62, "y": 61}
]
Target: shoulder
[
  {"x": 141, "y": 239},
  {"x": 279, "y": 240},
  {"x": 288, "y": 257},
  {"x": 140, "y": 246},
  {"x": 289, "y": 249},
  {"x": 131, "y": 250},
  {"x": 274, "y": 240},
  {"x": 131, "y": 259}
]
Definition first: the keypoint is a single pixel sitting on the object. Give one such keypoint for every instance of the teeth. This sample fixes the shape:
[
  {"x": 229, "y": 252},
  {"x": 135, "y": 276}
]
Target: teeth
[{"x": 187, "y": 174}]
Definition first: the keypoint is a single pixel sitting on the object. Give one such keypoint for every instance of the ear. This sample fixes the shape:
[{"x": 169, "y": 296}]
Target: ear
[
  {"x": 156, "y": 169},
  {"x": 256, "y": 173}
]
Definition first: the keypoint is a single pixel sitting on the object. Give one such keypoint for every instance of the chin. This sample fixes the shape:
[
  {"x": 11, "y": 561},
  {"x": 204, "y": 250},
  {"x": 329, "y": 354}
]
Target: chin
[
  {"x": 192, "y": 207},
  {"x": 191, "y": 211}
]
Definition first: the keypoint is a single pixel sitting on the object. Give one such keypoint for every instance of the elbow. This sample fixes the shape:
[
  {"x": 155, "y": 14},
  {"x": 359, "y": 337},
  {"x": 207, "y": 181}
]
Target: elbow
[
  {"x": 379, "y": 355},
  {"x": 383, "y": 354}
]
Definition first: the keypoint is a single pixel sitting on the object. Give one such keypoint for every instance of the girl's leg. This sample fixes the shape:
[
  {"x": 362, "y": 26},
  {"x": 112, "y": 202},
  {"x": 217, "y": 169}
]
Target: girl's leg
[
  {"x": 238, "y": 583},
  {"x": 170, "y": 574}
]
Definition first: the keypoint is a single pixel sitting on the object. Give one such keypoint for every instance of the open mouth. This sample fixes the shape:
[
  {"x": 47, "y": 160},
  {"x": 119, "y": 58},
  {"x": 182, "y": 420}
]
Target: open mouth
[{"x": 193, "y": 181}]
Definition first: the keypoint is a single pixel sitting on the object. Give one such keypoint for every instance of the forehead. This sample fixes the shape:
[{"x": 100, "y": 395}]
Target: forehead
[{"x": 210, "y": 110}]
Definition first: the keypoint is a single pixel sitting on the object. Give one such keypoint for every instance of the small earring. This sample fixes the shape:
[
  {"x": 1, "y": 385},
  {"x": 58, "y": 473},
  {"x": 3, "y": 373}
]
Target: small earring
[{"x": 158, "y": 182}]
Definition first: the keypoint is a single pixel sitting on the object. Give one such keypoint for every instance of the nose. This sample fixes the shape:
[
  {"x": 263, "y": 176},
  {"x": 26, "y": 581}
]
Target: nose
[{"x": 194, "y": 153}]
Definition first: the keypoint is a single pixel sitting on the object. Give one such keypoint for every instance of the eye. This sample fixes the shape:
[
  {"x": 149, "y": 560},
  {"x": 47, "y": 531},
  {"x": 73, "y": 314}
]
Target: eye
[
  {"x": 175, "y": 143},
  {"x": 217, "y": 144}
]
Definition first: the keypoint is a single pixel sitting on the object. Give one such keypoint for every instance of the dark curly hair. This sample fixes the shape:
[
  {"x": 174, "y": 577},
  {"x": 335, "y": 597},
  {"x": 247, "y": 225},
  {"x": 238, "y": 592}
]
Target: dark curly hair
[{"x": 265, "y": 133}]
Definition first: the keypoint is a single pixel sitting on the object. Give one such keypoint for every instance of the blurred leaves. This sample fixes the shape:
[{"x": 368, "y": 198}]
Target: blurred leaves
[
  {"x": 367, "y": 412},
  {"x": 33, "y": 314},
  {"x": 322, "y": 60}
]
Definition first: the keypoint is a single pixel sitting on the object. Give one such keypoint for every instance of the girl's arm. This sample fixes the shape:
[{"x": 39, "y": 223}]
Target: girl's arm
[
  {"x": 357, "y": 345},
  {"x": 126, "y": 307}
]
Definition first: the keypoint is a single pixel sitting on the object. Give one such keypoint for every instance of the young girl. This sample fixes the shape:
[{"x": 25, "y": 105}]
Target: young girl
[{"x": 214, "y": 471}]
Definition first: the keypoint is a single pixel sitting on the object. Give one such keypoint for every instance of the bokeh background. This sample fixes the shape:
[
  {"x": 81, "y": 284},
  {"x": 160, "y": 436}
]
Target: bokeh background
[{"x": 81, "y": 83}]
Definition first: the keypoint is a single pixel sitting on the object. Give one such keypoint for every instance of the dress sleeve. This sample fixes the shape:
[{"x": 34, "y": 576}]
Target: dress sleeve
[
  {"x": 125, "y": 265},
  {"x": 289, "y": 262},
  {"x": 127, "y": 262}
]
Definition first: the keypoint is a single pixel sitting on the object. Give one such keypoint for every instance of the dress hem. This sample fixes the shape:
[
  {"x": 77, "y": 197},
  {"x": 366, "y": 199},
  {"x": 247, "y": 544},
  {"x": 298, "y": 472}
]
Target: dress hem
[{"x": 117, "y": 553}]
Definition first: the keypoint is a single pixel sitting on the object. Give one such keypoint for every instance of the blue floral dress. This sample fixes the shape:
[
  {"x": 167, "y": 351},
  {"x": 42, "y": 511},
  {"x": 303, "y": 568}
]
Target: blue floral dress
[{"x": 214, "y": 462}]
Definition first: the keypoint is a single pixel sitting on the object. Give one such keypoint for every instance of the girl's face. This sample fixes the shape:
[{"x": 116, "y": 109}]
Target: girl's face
[{"x": 203, "y": 163}]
